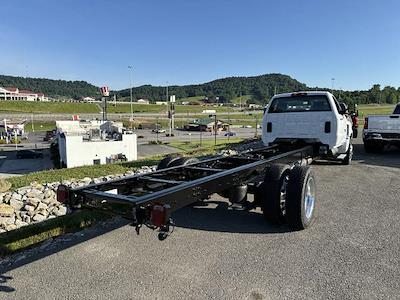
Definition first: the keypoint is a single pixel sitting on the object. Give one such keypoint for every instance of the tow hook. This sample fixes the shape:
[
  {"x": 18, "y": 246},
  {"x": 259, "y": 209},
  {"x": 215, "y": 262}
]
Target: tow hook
[{"x": 166, "y": 230}]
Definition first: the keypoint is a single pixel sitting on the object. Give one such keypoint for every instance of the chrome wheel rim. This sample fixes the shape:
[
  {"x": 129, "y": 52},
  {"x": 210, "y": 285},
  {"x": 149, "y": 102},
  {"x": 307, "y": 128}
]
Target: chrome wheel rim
[{"x": 309, "y": 198}]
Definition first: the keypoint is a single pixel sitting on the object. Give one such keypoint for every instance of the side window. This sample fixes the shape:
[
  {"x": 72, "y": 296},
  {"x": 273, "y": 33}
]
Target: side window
[
  {"x": 336, "y": 104},
  {"x": 397, "y": 110}
]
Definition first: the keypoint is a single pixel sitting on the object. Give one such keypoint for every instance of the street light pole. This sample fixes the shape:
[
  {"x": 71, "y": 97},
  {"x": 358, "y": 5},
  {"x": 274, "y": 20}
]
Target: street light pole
[
  {"x": 130, "y": 83},
  {"x": 215, "y": 130},
  {"x": 333, "y": 80}
]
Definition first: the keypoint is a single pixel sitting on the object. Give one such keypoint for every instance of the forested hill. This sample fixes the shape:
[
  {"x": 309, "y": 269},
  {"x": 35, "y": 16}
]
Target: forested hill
[
  {"x": 255, "y": 89},
  {"x": 50, "y": 87},
  {"x": 259, "y": 87}
]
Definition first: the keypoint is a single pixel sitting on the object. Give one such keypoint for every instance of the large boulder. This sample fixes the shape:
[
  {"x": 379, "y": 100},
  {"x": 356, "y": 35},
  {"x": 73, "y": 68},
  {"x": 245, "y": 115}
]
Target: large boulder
[{"x": 4, "y": 185}]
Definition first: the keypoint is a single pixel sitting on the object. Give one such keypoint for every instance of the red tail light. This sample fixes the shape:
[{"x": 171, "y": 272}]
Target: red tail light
[
  {"x": 355, "y": 121},
  {"x": 159, "y": 215},
  {"x": 366, "y": 123},
  {"x": 62, "y": 193}
]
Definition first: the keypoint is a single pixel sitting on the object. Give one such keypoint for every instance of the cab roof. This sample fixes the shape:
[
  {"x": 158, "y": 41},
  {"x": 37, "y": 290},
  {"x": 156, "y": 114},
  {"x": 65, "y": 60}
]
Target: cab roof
[{"x": 324, "y": 93}]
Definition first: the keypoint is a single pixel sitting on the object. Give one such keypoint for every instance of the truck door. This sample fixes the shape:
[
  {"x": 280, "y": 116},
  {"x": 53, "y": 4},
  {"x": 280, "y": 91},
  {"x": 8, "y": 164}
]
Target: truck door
[{"x": 342, "y": 126}]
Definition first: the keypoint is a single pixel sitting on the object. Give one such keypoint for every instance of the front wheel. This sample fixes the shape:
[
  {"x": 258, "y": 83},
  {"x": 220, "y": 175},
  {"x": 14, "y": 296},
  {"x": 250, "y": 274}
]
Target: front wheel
[{"x": 301, "y": 198}]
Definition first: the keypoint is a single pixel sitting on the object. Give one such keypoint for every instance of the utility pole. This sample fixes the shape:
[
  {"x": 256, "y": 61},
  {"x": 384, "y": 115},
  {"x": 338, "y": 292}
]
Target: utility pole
[
  {"x": 215, "y": 130},
  {"x": 33, "y": 127},
  {"x": 201, "y": 136},
  {"x": 333, "y": 80},
  {"x": 157, "y": 130},
  {"x": 130, "y": 68},
  {"x": 255, "y": 135},
  {"x": 169, "y": 110},
  {"x": 240, "y": 97}
]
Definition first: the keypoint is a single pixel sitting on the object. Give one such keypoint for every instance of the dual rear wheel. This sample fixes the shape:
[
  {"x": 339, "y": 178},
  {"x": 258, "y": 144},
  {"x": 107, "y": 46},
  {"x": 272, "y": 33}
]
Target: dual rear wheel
[{"x": 288, "y": 196}]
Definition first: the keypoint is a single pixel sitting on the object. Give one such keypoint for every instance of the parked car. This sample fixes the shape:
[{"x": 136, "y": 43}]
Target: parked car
[
  {"x": 29, "y": 154},
  {"x": 314, "y": 118},
  {"x": 382, "y": 130},
  {"x": 246, "y": 126},
  {"x": 230, "y": 134},
  {"x": 158, "y": 130}
]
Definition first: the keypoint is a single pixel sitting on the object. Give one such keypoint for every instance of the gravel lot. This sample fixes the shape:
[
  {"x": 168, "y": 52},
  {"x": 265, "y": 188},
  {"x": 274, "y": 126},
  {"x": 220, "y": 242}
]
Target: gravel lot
[{"x": 351, "y": 252}]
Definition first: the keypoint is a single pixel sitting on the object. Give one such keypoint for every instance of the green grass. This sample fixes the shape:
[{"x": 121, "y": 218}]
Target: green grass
[
  {"x": 206, "y": 144},
  {"x": 190, "y": 99},
  {"x": 47, "y": 107},
  {"x": 375, "y": 109},
  {"x": 244, "y": 99},
  {"x": 40, "y": 126},
  {"x": 33, "y": 234},
  {"x": 153, "y": 108}
]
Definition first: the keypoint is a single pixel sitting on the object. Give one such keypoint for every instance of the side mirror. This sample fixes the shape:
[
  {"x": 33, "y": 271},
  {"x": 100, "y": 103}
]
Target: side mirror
[{"x": 344, "y": 109}]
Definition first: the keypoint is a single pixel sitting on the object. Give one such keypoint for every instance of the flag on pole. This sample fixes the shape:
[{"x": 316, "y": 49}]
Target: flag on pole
[{"x": 105, "y": 91}]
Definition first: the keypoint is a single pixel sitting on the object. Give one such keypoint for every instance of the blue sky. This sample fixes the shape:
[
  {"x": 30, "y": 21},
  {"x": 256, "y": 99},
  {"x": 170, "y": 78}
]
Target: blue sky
[{"x": 187, "y": 41}]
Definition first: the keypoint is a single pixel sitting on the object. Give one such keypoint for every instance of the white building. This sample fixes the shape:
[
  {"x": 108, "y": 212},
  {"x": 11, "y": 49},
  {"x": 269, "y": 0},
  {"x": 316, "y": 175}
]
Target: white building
[
  {"x": 94, "y": 142},
  {"x": 15, "y": 94},
  {"x": 143, "y": 101},
  {"x": 76, "y": 151}
]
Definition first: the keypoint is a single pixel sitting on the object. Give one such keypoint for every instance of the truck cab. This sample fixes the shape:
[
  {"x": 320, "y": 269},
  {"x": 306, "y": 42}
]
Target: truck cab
[{"x": 312, "y": 117}]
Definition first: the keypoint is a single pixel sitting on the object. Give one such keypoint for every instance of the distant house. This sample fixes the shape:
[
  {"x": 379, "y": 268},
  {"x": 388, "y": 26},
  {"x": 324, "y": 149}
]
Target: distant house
[
  {"x": 15, "y": 94},
  {"x": 207, "y": 124},
  {"x": 143, "y": 101},
  {"x": 161, "y": 102}
]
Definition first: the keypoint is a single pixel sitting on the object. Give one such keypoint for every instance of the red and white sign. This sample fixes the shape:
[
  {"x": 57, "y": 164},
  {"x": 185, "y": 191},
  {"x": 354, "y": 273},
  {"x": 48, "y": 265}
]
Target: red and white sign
[
  {"x": 75, "y": 117},
  {"x": 105, "y": 91}
]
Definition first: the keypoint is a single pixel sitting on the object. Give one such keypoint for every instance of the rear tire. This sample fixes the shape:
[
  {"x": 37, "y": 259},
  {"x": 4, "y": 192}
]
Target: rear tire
[
  {"x": 182, "y": 161},
  {"x": 271, "y": 194},
  {"x": 164, "y": 163},
  {"x": 301, "y": 198}
]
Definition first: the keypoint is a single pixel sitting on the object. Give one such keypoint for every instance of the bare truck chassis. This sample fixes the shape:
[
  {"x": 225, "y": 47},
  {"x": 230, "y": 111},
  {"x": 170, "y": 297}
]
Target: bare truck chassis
[{"x": 278, "y": 176}]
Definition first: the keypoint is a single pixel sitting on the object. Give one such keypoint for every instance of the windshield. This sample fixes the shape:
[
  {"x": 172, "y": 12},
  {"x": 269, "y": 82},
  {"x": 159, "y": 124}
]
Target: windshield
[{"x": 300, "y": 104}]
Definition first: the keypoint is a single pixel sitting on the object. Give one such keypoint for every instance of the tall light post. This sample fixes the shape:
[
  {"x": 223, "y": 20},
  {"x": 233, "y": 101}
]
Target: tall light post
[
  {"x": 130, "y": 83},
  {"x": 333, "y": 80}
]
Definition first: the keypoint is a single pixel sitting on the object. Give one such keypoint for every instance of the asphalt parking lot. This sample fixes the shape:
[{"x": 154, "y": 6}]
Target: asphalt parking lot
[{"x": 351, "y": 252}]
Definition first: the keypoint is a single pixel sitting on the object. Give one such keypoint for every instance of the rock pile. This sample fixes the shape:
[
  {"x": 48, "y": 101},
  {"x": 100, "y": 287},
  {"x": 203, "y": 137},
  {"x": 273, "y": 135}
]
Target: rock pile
[{"x": 37, "y": 202}]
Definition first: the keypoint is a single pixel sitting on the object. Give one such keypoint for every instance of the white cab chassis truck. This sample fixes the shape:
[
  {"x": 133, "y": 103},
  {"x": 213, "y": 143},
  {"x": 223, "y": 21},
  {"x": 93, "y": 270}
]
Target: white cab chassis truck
[{"x": 310, "y": 118}]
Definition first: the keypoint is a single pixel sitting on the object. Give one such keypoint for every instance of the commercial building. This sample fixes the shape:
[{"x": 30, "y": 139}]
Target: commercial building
[
  {"x": 15, "y": 94},
  {"x": 94, "y": 142},
  {"x": 207, "y": 124}
]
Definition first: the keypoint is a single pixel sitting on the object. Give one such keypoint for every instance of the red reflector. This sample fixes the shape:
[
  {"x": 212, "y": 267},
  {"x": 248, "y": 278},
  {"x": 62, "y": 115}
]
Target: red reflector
[
  {"x": 62, "y": 193},
  {"x": 158, "y": 215}
]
